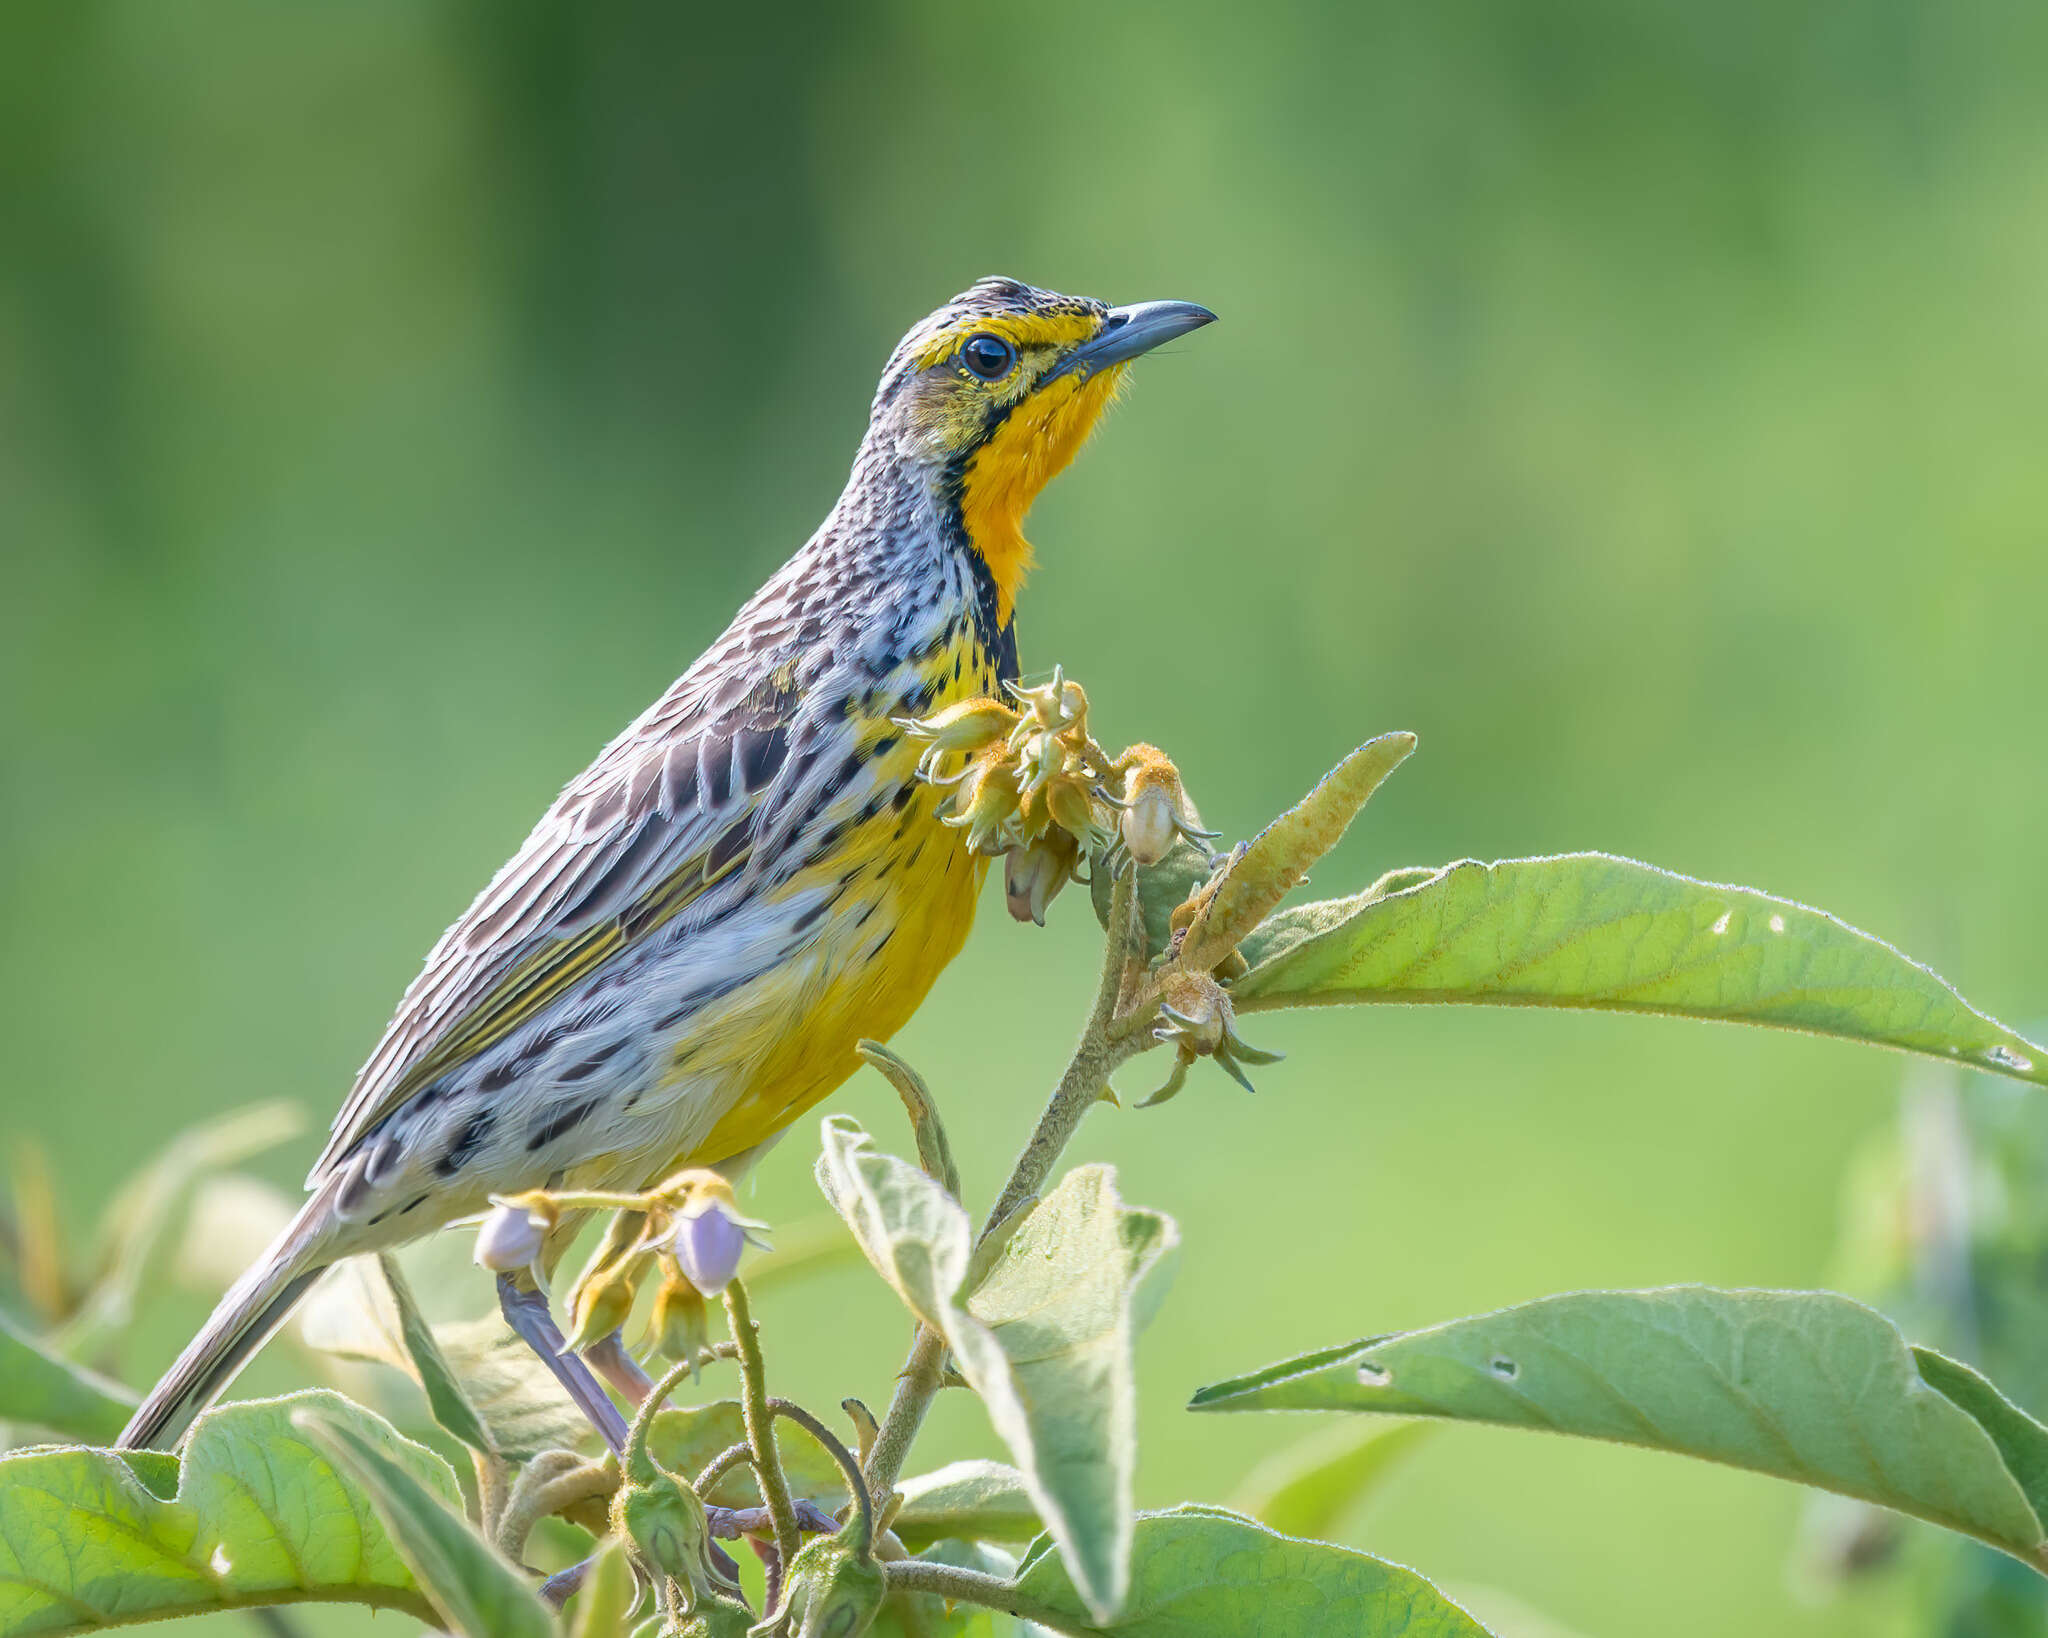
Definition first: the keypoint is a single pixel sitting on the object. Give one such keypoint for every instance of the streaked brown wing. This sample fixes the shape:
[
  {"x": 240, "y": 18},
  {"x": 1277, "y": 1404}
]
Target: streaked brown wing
[{"x": 665, "y": 811}]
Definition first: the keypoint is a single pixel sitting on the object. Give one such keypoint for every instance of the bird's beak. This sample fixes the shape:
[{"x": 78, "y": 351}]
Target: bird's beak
[{"x": 1129, "y": 331}]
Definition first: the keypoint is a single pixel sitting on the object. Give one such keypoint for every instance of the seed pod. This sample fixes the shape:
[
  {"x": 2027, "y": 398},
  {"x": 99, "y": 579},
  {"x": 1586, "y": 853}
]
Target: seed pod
[
  {"x": 707, "y": 1244},
  {"x": 1034, "y": 874},
  {"x": 1148, "y": 826},
  {"x": 835, "y": 1589},
  {"x": 512, "y": 1237}
]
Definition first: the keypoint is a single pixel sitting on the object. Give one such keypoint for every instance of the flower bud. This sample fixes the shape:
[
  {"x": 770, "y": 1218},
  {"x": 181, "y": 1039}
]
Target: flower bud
[
  {"x": 707, "y": 1244},
  {"x": 511, "y": 1237},
  {"x": 1073, "y": 809},
  {"x": 966, "y": 726},
  {"x": 1033, "y": 875},
  {"x": 680, "y": 1326},
  {"x": 985, "y": 801},
  {"x": 602, "y": 1303},
  {"x": 835, "y": 1588}
]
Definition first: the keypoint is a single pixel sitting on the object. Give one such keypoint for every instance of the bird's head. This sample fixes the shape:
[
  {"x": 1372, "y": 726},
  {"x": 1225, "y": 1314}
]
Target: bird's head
[{"x": 992, "y": 395}]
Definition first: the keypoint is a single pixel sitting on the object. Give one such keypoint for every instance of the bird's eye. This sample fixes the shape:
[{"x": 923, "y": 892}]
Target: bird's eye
[{"x": 989, "y": 357}]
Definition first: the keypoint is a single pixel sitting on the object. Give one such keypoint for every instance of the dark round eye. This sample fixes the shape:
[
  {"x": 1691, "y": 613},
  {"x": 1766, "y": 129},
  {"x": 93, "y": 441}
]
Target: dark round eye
[{"x": 989, "y": 357}]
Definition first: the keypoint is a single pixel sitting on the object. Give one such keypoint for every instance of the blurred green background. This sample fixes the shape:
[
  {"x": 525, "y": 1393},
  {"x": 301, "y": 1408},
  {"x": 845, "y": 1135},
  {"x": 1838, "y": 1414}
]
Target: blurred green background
[{"x": 1644, "y": 402}]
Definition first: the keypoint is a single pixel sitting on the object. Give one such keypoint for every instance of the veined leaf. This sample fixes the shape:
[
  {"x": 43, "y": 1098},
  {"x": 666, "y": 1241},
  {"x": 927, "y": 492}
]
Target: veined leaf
[
  {"x": 479, "y": 1592},
  {"x": 1305, "y": 1488},
  {"x": 254, "y": 1514},
  {"x": 1197, "y": 1572},
  {"x": 353, "y": 1314},
  {"x": 1802, "y": 1385},
  {"x": 38, "y": 1388},
  {"x": 1046, "y": 1338},
  {"x": 971, "y": 1501},
  {"x": 1279, "y": 858},
  {"x": 446, "y": 1396},
  {"x": 686, "y": 1438},
  {"x": 1589, "y": 930}
]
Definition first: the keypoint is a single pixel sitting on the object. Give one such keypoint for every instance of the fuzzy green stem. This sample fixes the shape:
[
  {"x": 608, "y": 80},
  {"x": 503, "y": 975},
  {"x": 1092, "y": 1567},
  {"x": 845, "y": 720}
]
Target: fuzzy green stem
[
  {"x": 835, "y": 1447},
  {"x": 1100, "y": 1050},
  {"x": 962, "y": 1586},
  {"x": 760, "y": 1424},
  {"x": 546, "y": 1488}
]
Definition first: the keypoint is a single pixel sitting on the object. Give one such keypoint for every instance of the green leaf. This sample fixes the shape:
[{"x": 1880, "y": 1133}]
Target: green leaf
[
  {"x": 1279, "y": 858},
  {"x": 683, "y": 1440},
  {"x": 1807, "y": 1386},
  {"x": 1588, "y": 930},
  {"x": 352, "y": 1313},
  {"x": 610, "y": 1594},
  {"x": 1304, "y": 1489},
  {"x": 446, "y": 1396},
  {"x": 1046, "y": 1339},
  {"x": 38, "y": 1388},
  {"x": 972, "y": 1501},
  {"x": 136, "y": 1233},
  {"x": 1200, "y": 1572},
  {"x": 1162, "y": 889},
  {"x": 934, "y": 1152},
  {"x": 254, "y": 1514},
  {"x": 479, "y": 1592}
]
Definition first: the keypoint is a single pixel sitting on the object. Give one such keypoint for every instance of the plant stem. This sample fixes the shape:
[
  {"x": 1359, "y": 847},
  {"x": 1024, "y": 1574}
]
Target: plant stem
[
  {"x": 1101, "y": 1049},
  {"x": 760, "y": 1424},
  {"x": 961, "y": 1586},
  {"x": 547, "y": 1487},
  {"x": 835, "y": 1447}
]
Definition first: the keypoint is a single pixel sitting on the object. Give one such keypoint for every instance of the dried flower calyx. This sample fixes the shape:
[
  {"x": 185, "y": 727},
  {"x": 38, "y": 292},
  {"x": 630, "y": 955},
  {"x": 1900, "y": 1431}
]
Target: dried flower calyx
[
  {"x": 1028, "y": 772},
  {"x": 1198, "y": 1021}
]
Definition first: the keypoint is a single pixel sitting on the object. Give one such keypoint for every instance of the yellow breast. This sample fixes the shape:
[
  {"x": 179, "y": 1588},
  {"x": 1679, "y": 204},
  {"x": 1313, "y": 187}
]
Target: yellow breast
[{"x": 905, "y": 895}]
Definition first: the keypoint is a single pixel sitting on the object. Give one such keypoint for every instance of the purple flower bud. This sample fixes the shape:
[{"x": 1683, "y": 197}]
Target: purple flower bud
[
  {"x": 708, "y": 1247},
  {"x": 510, "y": 1239}
]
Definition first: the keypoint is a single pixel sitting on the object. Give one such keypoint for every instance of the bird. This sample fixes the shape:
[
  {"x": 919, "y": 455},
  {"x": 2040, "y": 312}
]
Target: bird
[{"x": 750, "y": 879}]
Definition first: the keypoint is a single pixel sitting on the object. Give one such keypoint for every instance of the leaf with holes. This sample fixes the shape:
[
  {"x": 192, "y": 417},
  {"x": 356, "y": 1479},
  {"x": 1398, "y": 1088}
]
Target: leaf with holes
[
  {"x": 1802, "y": 1385},
  {"x": 1588, "y": 930},
  {"x": 254, "y": 1514},
  {"x": 1200, "y": 1571}
]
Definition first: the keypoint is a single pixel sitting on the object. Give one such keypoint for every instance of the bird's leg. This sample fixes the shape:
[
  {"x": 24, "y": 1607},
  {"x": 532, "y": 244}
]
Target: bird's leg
[
  {"x": 611, "y": 1361},
  {"x": 527, "y": 1313}
]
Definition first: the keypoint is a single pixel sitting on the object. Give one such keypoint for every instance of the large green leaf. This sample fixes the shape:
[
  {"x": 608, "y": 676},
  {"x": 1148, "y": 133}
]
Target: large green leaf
[
  {"x": 972, "y": 1501},
  {"x": 479, "y": 1592},
  {"x": 1200, "y": 1572},
  {"x": 255, "y": 1514},
  {"x": 38, "y": 1388},
  {"x": 1045, "y": 1339},
  {"x": 1802, "y": 1385},
  {"x": 1588, "y": 930},
  {"x": 1306, "y": 1488}
]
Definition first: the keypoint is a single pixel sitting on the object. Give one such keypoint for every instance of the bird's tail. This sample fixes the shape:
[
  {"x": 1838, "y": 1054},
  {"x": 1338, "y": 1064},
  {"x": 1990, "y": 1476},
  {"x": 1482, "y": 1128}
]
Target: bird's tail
[{"x": 254, "y": 1307}]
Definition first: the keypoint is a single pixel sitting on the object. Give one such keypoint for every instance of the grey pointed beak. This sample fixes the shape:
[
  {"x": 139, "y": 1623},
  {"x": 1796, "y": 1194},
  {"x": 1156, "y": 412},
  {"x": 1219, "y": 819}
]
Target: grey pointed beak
[{"x": 1129, "y": 331}]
